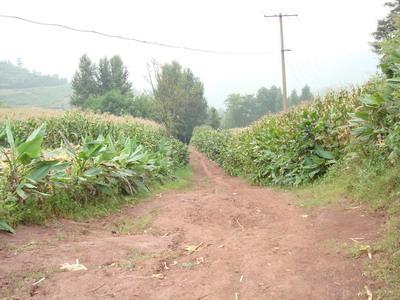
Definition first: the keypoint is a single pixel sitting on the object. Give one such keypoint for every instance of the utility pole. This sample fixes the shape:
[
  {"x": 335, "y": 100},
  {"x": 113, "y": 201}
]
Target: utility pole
[{"x": 283, "y": 50}]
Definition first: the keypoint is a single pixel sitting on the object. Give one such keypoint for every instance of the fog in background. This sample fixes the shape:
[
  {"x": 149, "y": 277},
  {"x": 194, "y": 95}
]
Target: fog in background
[{"x": 329, "y": 39}]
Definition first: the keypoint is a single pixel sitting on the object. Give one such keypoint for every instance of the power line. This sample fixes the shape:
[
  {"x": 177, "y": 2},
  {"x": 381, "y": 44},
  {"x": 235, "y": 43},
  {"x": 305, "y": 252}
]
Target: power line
[{"x": 121, "y": 37}]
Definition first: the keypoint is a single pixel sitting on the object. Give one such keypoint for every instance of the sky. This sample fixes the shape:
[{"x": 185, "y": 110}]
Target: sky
[{"x": 329, "y": 40}]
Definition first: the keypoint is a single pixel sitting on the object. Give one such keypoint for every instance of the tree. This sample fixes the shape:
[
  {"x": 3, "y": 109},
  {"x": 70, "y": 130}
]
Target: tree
[
  {"x": 91, "y": 81},
  {"x": 270, "y": 100},
  {"x": 104, "y": 76},
  {"x": 179, "y": 96},
  {"x": 84, "y": 81},
  {"x": 387, "y": 26},
  {"x": 144, "y": 106},
  {"x": 113, "y": 102},
  {"x": 239, "y": 110},
  {"x": 213, "y": 119},
  {"x": 306, "y": 94},
  {"x": 119, "y": 75},
  {"x": 294, "y": 99}
]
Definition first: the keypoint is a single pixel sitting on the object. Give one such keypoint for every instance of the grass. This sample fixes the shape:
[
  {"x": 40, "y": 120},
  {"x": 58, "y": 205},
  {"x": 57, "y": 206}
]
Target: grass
[
  {"x": 129, "y": 225},
  {"x": 318, "y": 194}
]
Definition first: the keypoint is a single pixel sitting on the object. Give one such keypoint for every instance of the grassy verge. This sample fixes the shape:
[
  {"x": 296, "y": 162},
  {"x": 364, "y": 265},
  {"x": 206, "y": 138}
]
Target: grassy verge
[{"x": 378, "y": 186}]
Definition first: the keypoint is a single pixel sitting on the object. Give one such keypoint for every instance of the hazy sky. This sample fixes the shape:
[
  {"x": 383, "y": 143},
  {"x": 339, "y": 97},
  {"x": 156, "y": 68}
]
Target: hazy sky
[{"x": 329, "y": 39}]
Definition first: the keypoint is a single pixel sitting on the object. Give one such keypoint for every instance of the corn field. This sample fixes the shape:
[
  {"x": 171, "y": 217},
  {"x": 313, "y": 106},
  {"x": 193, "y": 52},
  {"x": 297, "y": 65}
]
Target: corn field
[
  {"x": 58, "y": 162},
  {"x": 285, "y": 149}
]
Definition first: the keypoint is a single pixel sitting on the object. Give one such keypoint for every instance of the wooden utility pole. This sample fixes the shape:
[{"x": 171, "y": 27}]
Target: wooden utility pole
[{"x": 283, "y": 50}]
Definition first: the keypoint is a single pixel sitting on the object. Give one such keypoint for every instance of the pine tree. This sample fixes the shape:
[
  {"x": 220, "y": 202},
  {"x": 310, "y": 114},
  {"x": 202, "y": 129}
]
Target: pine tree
[
  {"x": 294, "y": 99},
  {"x": 387, "y": 26},
  {"x": 104, "y": 76},
  {"x": 84, "y": 81},
  {"x": 119, "y": 75},
  {"x": 213, "y": 118},
  {"x": 306, "y": 94}
]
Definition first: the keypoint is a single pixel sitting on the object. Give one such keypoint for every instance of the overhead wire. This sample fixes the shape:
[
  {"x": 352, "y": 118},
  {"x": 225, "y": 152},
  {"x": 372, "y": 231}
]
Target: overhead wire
[{"x": 117, "y": 36}]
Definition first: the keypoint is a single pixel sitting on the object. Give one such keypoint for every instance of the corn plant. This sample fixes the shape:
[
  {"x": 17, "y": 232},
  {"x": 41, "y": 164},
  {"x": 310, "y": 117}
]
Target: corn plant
[{"x": 285, "y": 149}]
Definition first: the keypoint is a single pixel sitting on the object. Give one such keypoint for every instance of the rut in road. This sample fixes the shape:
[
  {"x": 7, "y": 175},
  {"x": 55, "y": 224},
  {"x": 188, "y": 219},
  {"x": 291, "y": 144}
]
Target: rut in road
[{"x": 220, "y": 239}]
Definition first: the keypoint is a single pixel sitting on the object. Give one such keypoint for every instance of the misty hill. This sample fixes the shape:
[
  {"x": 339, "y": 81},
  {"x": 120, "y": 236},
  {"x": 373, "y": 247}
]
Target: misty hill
[
  {"x": 15, "y": 77},
  {"x": 20, "y": 86}
]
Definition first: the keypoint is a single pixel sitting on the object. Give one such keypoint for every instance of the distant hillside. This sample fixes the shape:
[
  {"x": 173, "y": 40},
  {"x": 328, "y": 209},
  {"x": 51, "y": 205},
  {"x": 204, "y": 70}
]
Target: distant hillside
[
  {"x": 19, "y": 86},
  {"x": 51, "y": 97},
  {"x": 15, "y": 77}
]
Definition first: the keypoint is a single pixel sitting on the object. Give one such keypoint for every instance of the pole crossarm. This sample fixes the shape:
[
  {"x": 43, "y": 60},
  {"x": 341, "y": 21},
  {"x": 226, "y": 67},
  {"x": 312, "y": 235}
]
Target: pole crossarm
[{"x": 283, "y": 15}]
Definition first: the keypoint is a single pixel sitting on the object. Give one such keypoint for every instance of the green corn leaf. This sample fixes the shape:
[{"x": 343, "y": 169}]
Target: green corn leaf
[
  {"x": 93, "y": 172},
  {"x": 20, "y": 192},
  {"x": 5, "y": 227},
  {"x": 43, "y": 168},
  {"x": 32, "y": 147},
  {"x": 361, "y": 115},
  {"x": 10, "y": 138},
  {"x": 325, "y": 154}
]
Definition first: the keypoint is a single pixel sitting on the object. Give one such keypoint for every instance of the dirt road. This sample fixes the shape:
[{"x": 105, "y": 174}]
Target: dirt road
[{"x": 219, "y": 239}]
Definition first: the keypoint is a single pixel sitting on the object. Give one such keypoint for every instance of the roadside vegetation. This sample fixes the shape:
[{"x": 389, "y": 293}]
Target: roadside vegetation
[{"x": 81, "y": 164}]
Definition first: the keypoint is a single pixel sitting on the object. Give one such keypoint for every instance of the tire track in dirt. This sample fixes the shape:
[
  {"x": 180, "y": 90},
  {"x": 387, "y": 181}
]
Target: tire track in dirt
[{"x": 252, "y": 243}]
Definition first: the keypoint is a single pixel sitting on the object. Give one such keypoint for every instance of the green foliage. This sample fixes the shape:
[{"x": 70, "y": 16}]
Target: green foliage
[
  {"x": 242, "y": 110},
  {"x": 144, "y": 106},
  {"x": 286, "y": 149},
  {"x": 37, "y": 183},
  {"x": 119, "y": 75},
  {"x": 110, "y": 77},
  {"x": 17, "y": 77},
  {"x": 179, "y": 96},
  {"x": 5, "y": 227},
  {"x": 376, "y": 122},
  {"x": 213, "y": 118},
  {"x": 84, "y": 81},
  {"x": 76, "y": 127},
  {"x": 387, "y": 26},
  {"x": 113, "y": 102}
]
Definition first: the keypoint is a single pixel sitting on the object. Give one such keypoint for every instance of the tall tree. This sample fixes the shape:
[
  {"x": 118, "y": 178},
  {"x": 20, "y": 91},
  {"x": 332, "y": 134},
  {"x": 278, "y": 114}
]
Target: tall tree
[
  {"x": 104, "y": 76},
  {"x": 270, "y": 100},
  {"x": 119, "y": 75},
  {"x": 387, "y": 26},
  {"x": 213, "y": 119},
  {"x": 294, "y": 99},
  {"x": 84, "y": 81},
  {"x": 239, "y": 110},
  {"x": 180, "y": 98},
  {"x": 306, "y": 94}
]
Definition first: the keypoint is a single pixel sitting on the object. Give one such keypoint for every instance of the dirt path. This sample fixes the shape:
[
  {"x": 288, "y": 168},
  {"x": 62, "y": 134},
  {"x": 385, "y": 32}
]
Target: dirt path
[{"x": 250, "y": 243}]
